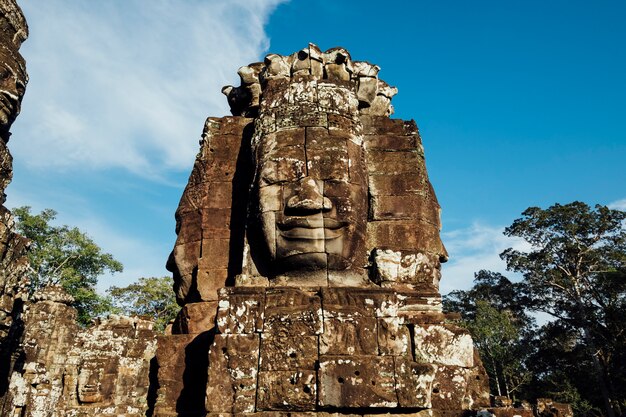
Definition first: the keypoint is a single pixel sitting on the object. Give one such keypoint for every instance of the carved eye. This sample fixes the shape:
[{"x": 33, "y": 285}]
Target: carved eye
[{"x": 5, "y": 73}]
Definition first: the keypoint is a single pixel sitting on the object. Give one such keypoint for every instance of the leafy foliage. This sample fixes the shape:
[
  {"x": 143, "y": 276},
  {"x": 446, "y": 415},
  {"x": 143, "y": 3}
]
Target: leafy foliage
[
  {"x": 575, "y": 271},
  {"x": 493, "y": 311},
  {"x": 151, "y": 297},
  {"x": 66, "y": 256}
]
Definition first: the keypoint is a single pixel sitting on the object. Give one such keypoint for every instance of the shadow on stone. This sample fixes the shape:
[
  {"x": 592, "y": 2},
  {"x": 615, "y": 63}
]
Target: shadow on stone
[
  {"x": 153, "y": 386},
  {"x": 191, "y": 401},
  {"x": 239, "y": 208}
]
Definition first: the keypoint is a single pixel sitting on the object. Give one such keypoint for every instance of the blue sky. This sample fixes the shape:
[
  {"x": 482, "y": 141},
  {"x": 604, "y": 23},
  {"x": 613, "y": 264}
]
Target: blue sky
[{"x": 518, "y": 104}]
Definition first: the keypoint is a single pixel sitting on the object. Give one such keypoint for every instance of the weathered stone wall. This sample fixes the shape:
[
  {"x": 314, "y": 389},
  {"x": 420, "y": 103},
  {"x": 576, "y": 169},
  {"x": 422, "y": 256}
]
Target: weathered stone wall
[
  {"x": 65, "y": 370},
  {"x": 13, "y": 262}
]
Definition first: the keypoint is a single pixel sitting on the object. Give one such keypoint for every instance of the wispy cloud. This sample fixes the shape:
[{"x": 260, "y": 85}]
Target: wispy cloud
[
  {"x": 618, "y": 205},
  {"x": 472, "y": 249},
  {"x": 128, "y": 83},
  {"x": 117, "y": 98}
]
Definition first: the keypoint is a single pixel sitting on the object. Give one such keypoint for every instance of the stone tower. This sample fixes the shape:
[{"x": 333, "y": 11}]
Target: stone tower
[
  {"x": 13, "y": 261},
  {"x": 308, "y": 257}
]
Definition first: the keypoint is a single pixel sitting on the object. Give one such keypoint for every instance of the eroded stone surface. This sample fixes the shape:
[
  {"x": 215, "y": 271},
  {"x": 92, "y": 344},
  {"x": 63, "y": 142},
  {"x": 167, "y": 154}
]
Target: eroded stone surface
[
  {"x": 310, "y": 220},
  {"x": 66, "y": 370},
  {"x": 356, "y": 381},
  {"x": 13, "y": 262}
]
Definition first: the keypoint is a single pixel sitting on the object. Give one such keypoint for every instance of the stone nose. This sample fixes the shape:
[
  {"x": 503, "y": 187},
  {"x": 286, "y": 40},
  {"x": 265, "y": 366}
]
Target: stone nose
[{"x": 308, "y": 197}]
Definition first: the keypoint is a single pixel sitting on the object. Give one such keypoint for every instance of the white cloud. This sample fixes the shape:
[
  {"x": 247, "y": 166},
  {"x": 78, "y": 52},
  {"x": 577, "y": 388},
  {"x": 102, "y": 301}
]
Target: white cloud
[
  {"x": 472, "y": 249},
  {"x": 129, "y": 84},
  {"x": 618, "y": 205},
  {"x": 121, "y": 86}
]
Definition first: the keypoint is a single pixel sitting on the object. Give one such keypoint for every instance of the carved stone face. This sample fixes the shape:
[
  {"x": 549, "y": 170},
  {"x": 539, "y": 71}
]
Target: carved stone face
[
  {"x": 312, "y": 193},
  {"x": 13, "y": 81}
]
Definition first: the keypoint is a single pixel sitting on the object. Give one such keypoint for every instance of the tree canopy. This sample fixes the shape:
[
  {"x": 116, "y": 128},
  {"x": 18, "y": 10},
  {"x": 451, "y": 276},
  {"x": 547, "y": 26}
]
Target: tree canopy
[
  {"x": 150, "y": 297},
  {"x": 493, "y": 311},
  {"x": 574, "y": 270},
  {"x": 66, "y": 256}
]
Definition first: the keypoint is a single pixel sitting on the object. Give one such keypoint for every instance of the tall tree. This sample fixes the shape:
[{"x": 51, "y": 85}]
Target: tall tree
[
  {"x": 575, "y": 271},
  {"x": 151, "y": 297},
  {"x": 66, "y": 256},
  {"x": 493, "y": 310}
]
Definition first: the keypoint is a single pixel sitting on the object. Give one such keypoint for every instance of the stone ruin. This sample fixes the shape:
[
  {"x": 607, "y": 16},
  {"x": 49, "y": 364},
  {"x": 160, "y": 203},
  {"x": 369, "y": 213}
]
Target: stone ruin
[
  {"x": 64, "y": 370},
  {"x": 307, "y": 265},
  {"x": 308, "y": 257},
  {"x": 13, "y": 261}
]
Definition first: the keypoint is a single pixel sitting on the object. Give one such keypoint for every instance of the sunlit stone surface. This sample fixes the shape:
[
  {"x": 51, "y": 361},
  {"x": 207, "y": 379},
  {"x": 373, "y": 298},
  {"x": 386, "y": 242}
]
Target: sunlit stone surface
[{"x": 308, "y": 255}]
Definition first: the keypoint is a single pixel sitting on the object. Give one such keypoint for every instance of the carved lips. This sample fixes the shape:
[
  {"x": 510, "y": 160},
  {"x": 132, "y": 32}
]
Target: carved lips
[{"x": 311, "y": 228}]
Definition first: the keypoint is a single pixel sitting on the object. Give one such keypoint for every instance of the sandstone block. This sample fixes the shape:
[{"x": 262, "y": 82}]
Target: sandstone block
[
  {"x": 444, "y": 345},
  {"x": 290, "y": 137},
  {"x": 194, "y": 196},
  {"x": 292, "y": 312},
  {"x": 412, "y": 206},
  {"x": 382, "y": 125},
  {"x": 325, "y": 166},
  {"x": 414, "y": 382},
  {"x": 405, "y": 184},
  {"x": 304, "y": 91},
  {"x": 394, "y": 162},
  {"x": 232, "y": 376},
  {"x": 288, "y": 353},
  {"x": 219, "y": 194},
  {"x": 393, "y": 337},
  {"x": 349, "y": 336},
  {"x": 198, "y": 317},
  {"x": 190, "y": 227},
  {"x": 240, "y": 310},
  {"x": 391, "y": 142},
  {"x": 287, "y": 390},
  {"x": 366, "y": 89},
  {"x": 221, "y": 168},
  {"x": 450, "y": 388},
  {"x": 215, "y": 254},
  {"x": 359, "y": 302},
  {"x": 340, "y": 124},
  {"x": 231, "y": 125},
  {"x": 223, "y": 147},
  {"x": 405, "y": 235},
  {"x": 421, "y": 270},
  {"x": 356, "y": 381},
  {"x": 209, "y": 281},
  {"x": 513, "y": 412},
  {"x": 216, "y": 223}
]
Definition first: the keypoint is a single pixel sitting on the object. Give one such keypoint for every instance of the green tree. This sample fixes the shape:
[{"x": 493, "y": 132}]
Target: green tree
[
  {"x": 150, "y": 297},
  {"x": 493, "y": 311},
  {"x": 575, "y": 271},
  {"x": 66, "y": 256}
]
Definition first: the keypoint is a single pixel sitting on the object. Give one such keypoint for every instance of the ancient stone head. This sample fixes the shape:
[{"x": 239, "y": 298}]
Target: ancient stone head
[
  {"x": 13, "y": 77},
  {"x": 312, "y": 198},
  {"x": 310, "y": 183},
  {"x": 13, "y": 81}
]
